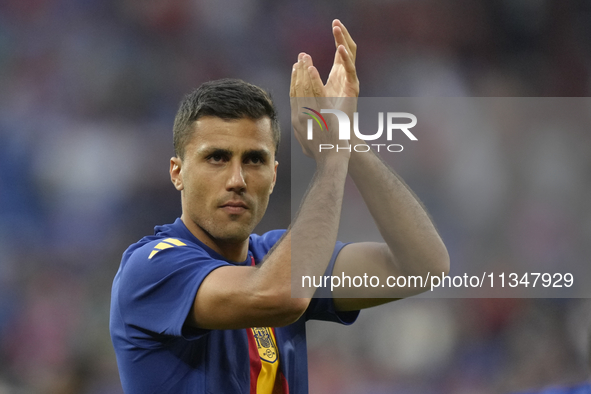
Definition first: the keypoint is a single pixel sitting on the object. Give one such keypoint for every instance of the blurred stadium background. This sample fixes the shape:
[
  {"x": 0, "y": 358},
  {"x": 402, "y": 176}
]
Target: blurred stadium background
[{"x": 88, "y": 92}]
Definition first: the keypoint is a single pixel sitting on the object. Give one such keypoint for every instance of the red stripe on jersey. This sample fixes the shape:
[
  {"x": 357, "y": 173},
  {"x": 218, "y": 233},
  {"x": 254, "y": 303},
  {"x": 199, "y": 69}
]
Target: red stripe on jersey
[
  {"x": 284, "y": 386},
  {"x": 255, "y": 361},
  {"x": 253, "y": 352},
  {"x": 281, "y": 386}
]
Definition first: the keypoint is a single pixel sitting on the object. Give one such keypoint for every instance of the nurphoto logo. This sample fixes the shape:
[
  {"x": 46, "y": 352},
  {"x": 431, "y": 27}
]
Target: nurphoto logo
[{"x": 345, "y": 129}]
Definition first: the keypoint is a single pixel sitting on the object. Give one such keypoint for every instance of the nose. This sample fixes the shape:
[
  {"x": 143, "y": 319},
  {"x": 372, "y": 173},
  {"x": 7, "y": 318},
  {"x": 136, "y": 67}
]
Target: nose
[{"x": 236, "y": 182}]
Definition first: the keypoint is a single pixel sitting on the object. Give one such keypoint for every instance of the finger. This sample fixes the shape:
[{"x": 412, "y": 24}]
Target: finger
[
  {"x": 307, "y": 60},
  {"x": 351, "y": 45},
  {"x": 346, "y": 34},
  {"x": 300, "y": 79},
  {"x": 315, "y": 81},
  {"x": 292, "y": 90},
  {"x": 306, "y": 81},
  {"x": 339, "y": 38},
  {"x": 348, "y": 63},
  {"x": 295, "y": 78},
  {"x": 318, "y": 88}
]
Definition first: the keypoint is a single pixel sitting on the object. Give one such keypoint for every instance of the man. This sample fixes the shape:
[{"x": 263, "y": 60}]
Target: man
[{"x": 204, "y": 306}]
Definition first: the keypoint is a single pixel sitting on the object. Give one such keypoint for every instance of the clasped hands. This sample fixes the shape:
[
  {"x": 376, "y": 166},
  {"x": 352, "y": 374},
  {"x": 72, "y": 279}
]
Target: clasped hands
[{"x": 309, "y": 96}]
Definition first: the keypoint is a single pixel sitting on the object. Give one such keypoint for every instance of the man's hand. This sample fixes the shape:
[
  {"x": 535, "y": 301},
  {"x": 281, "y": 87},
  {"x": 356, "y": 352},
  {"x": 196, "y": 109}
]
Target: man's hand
[
  {"x": 342, "y": 80},
  {"x": 340, "y": 92}
]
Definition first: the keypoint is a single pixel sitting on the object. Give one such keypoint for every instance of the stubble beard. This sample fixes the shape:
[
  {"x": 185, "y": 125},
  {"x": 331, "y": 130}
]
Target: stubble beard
[
  {"x": 229, "y": 230},
  {"x": 223, "y": 229}
]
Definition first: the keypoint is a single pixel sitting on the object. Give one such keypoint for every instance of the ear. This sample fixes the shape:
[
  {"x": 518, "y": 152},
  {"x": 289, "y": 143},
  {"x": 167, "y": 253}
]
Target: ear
[
  {"x": 274, "y": 177},
  {"x": 175, "y": 173}
]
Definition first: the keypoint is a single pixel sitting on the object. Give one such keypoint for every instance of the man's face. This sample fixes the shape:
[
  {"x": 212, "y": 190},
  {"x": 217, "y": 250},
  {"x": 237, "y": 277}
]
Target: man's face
[{"x": 226, "y": 177}]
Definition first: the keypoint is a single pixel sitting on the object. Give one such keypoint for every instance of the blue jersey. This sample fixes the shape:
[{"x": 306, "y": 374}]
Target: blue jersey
[{"x": 152, "y": 295}]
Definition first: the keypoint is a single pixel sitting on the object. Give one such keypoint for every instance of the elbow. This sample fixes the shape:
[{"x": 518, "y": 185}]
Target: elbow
[
  {"x": 281, "y": 309},
  {"x": 435, "y": 262},
  {"x": 292, "y": 310},
  {"x": 427, "y": 262},
  {"x": 444, "y": 265},
  {"x": 441, "y": 262},
  {"x": 436, "y": 265}
]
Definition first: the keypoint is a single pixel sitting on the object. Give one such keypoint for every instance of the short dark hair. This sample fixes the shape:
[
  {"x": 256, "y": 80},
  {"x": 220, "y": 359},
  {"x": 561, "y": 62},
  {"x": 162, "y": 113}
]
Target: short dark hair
[{"x": 225, "y": 99}]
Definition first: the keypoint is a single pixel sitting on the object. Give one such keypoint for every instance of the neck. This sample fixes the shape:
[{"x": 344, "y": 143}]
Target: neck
[{"x": 233, "y": 251}]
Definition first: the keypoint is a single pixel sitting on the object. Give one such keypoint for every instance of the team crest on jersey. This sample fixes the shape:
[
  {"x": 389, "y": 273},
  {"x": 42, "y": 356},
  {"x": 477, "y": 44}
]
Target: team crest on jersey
[
  {"x": 165, "y": 244},
  {"x": 265, "y": 344}
]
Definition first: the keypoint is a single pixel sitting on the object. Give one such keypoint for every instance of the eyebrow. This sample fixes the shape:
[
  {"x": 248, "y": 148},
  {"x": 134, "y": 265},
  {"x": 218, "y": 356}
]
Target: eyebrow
[
  {"x": 208, "y": 151},
  {"x": 263, "y": 153}
]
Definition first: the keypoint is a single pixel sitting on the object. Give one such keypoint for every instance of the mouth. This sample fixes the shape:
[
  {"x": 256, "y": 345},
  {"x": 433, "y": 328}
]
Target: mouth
[{"x": 234, "y": 207}]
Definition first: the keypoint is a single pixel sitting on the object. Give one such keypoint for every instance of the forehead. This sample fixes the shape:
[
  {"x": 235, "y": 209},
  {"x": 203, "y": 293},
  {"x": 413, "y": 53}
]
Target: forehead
[{"x": 232, "y": 134}]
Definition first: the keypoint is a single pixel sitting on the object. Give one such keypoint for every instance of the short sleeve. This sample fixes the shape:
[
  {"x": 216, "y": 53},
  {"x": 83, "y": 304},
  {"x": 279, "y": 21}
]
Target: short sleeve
[
  {"x": 261, "y": 244},
  {"x": 158, "y": 285},
  {"x": 322, "y": 306}
]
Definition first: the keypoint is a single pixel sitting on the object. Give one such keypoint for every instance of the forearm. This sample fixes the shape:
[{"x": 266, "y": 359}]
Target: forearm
[
  {"x": 401, "y": 219},
  {"x": 313, "y": 232}
]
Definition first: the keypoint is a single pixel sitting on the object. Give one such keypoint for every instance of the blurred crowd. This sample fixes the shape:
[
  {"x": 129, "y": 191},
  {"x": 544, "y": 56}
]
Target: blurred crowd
[{"x": 88, "y": 94}]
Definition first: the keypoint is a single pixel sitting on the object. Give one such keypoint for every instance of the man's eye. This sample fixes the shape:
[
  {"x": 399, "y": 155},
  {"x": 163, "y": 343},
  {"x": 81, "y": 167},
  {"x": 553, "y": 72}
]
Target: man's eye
[
  {"x": 255, "y": 160},
  {"x": 216, "y": 158}
]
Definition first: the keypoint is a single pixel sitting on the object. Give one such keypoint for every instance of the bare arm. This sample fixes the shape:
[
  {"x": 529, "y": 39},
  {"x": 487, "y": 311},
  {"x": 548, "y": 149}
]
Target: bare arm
[{"x": 413, "y": 246}]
